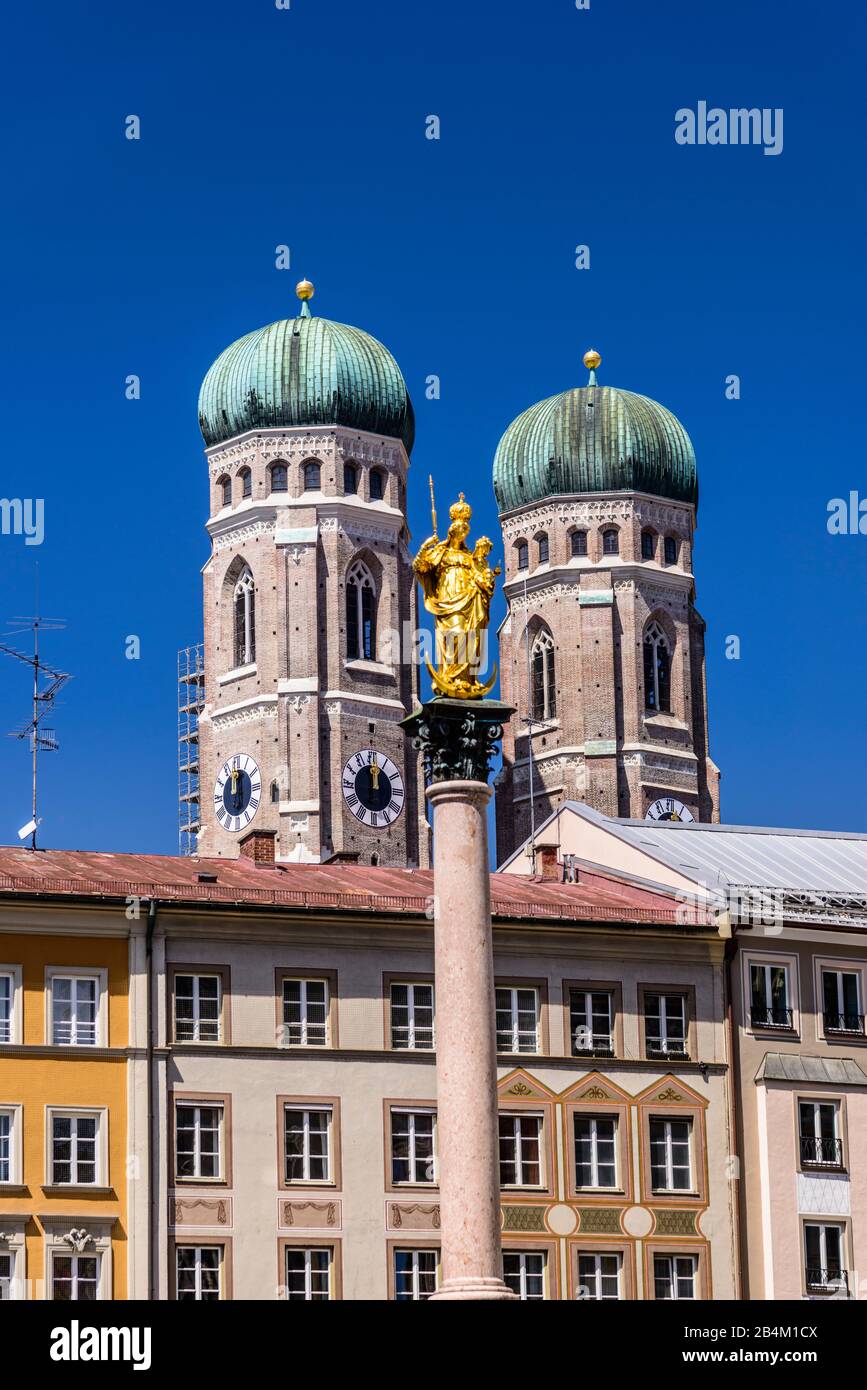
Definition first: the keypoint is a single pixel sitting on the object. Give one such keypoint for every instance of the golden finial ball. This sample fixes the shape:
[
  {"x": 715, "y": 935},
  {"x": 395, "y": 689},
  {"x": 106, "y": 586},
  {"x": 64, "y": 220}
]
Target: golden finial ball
[
  {"x": 592, "y": 359},
  {"x": 304, "y": 289}
]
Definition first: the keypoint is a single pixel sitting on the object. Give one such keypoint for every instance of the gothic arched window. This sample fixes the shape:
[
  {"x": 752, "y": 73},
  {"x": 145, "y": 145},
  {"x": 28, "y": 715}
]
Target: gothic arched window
[
  {"x": 225, "y": 486},
  {"x": 542, "y": 674},
  {"x": 657, "y": 670},
  {"x": 350, "y": 479},
  {"x": 312, "y": 476},
  {"x": 275, "y": 793},
  {"x": 279, "y": 477},
  {"x": 522, "y": 555},
  {"x": 670, "y": 550},
  {"x": 542, "y": 543},
  {"x": 246, "y": 478},
  {"x": 579, "y": 542},
  {"x": 610, "y": 542},
  {"x": 377, "y": 484},
  {"x": 360, "y": 613},
  {"x": 245, "y": 618},
  {"x": 648, "y": 545}
]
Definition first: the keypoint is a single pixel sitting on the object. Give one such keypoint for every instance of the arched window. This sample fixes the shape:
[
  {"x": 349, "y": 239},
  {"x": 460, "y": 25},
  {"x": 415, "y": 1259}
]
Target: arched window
[
  {"x": 579, "y": 542},
  {"x": 360, "y": 613},
  {"x": 377, "y": 484},
  {"x": 246, "y": 478},
  {"x": 542, "y": 673},
  {"x": 648, "y": 545},
  {"x": 610, "y": 542},
  {"x": 670, "y": 550},
  {"x": 657, "y": 670},
  {"x": 542, "y": 543},
  {"x": 312, "y": 476},
  {"x": 275, "y": 792},
  {"x": 279, "y": 477},
  {"x": 245, "y": 618},
  {"x": 350, "y": 479},
  {"x": 225, "y": 486},
  {"x": 522, "y": 554}
]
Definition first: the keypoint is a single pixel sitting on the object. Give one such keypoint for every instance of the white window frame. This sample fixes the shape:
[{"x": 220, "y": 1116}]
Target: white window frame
[
  {"x": 305, "y": 1021},
  {"x": 78, "y": 1112},
  {"x": 16, "y": 1169},
  {"x": 359, "y": 575},
  {"x": 793, "y": 989},
  {"x": 586, "y": 1009},
  {"x": 668, "y": 1121},
  {"x": 543, "y": 643},
  {"x": 837, "y": 965},
  {"x": 97, "y": 1232},
  {"x": 654, "y": 637},
  {"x": 412, "y": 1044},
  {"x": 180, "y": 1103},
  {"x": 307, "y": 1111},
  {"x": 67, "y": 972},
  {"x": 522, "y": 1257},
  {"x": 597, "y": 1256},
  {"x": 823, "y": 1228},
  {"x": 815, "y": 1103},
  {"x": 516, "y": 1116},
  {"x": 415, "y": 1272},
  {"x": 307, "y": 1251},
  {"x": 196, "y": 1020},
  {"x": 198, "y": 1247},
  {"x": 514, "y": 991},
  {"x": 12, "y": 1244},
  {"x": 413, "y": 1112},
  {"x": 244, "y": 588},
  {"x": 672, "y": 1263},
  {"x": 16, "y": 1035},
  {"x": 594, "y": 1151},
  {"x": 665, "y": 1041}
]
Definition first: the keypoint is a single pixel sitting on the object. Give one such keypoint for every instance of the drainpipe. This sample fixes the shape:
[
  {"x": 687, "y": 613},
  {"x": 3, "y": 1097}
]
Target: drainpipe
[
  {"x": 151, "y": 1203},
  {"x": 734, "y": 1074}
]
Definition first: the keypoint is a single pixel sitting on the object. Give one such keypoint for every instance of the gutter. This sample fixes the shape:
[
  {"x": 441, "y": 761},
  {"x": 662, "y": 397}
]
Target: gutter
[{"x": 153, "y": 907}]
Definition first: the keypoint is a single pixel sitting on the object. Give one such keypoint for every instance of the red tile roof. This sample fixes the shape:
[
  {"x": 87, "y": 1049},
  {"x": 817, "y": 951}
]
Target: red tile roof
[{"x": 597, "y": 897}]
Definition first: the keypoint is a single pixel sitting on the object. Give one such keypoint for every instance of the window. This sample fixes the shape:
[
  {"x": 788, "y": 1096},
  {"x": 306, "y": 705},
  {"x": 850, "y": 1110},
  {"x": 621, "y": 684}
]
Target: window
[
  {"x": 305, "y": 1013},
  {"x": 74, "y": 1150},
  {"x": 74, "y": 1004},
  {"x": 670, "y": 550},
  {"x": 197, "y": 1008},
  {"x": 225, "y": 486},
  {"x": 9, "y": 1137},
  {"x": 275, "y": 793},
  {"x": 412, "y": 1016},
  {"x": 377, "y": 484},
  {"x": 246, "y": 480},
  {"x": 522, "y": 552},
  {"x": 674, "y": 1276},
  {"x": 198, "y": 1141},
  {"x": 412, "y": 1146},
  {"x": 415, "y": 1275},
  {"x": 7, "y": 1261},
  {"x": 823, "y": 1248},
  {"x": 769, "y": 996},
  {"x": 308, "y": 1273},
  {"x": 360, "y": 613},
  {"x": 199, "y": 1269},
  {"x": 7, "y": 1006},
  {"x": 245, "y": 618},
  {"x": 517, "y": 1020},
  {"x": 542, "y": 545},
  {"x": 307, "y": 1138},
  {"x": 520, "y": 1150},
  {"x": 75, "y": 1278},
  {"x": 542, "y": 671},
  {"x": 524, "y": 1272},
  {"x": 311, "y": 475},
  {"x": 819, "y": 1133},
  {"x": 579, "y": 543},
  {"x": 610, "y": 542},
  {"x": 599, "y": 1276},
  {"x": 279, "y": 477},
  {"x": 841, "y": 998},
  {"x": 591, "y": 1015},
  {"x": 350, "y": 479},
  {"x": 657, "y": 671},
  {"x": 665, "y": 1025},
  {"x": 670, "y": 1155},
  {"x": 595, "y": 1151},
  {"x": 648, "y": 545}
]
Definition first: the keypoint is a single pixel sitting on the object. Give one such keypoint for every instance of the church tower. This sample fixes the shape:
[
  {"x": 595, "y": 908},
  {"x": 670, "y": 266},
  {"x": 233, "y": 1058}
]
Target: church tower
[
  {"x": 602, "y": 647},
  {"x": 308, "y": 600}
]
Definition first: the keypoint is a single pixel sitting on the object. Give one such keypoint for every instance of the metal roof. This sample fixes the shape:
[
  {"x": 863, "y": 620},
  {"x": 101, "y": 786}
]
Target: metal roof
[{"x": 812, "y": 1071}]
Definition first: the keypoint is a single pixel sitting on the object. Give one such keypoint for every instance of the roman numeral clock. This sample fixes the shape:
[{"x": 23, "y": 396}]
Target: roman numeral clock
[
  {"x": 373, "y": 788},
  {"x": 237, "y": 792}
]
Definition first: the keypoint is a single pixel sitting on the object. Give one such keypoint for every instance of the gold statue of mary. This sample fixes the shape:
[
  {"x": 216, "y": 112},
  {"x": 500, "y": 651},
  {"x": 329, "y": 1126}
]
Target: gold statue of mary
[{"x": 458, "y": 585}]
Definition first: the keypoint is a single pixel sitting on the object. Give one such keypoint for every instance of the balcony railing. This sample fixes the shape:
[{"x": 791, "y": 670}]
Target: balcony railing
[
  {"x": 821, "y": 1153},
  {"x": 667, "y": 1047},
  {"x": 844, "y": 1023},
  {"x": 827, "y": 1280},
  {"x": 773, "y": 1017}
]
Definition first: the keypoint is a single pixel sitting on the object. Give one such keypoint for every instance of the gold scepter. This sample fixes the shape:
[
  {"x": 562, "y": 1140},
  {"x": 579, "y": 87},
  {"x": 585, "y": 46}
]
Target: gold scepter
[{"x": 433, "y": 509}]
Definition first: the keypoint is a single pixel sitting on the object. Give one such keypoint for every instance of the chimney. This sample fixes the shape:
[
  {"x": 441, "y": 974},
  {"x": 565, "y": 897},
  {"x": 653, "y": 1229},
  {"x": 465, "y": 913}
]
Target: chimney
[
  {"x": 548, "y": 867},
  {"x": 260, "y": 846}
]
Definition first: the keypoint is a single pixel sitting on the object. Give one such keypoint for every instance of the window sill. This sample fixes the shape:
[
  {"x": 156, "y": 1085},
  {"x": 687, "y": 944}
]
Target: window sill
[
  {"x": 16, "y": 1187},
  {"x": 201, "y": 1182},
  {"x": 237, "y": 673},
  {"x": 368, "y": 668},
  {"x": 686, "y": 1194},
  {"x": 80, "y": 1189}
]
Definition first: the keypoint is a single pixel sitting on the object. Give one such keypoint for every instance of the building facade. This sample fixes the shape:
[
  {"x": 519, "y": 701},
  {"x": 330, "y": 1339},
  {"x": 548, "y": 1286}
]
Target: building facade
[
  {"x": 309, "y": 600},
  {"x": 602, "y": 647}
]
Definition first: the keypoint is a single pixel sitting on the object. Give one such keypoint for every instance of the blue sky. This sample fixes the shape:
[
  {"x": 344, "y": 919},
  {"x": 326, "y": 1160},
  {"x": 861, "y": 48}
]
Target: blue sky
[{"x": 306, "y": 127}]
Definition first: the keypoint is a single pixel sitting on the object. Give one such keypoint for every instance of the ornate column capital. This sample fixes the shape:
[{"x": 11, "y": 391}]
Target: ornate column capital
[{"x": 457, "y": 738}]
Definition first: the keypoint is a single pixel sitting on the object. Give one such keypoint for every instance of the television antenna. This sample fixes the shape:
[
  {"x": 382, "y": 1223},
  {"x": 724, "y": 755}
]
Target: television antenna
[{"x": 42, "y": 738}]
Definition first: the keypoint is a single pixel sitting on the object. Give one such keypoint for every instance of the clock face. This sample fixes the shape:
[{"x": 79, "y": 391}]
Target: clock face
[
  {"x": 667, "y": 808},
  {"x": 236, "y": 792},
  {"x": 373, "y": 788}
]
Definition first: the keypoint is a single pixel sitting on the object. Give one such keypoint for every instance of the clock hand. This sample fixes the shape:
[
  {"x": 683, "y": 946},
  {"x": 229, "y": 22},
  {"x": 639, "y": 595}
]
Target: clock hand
[{"x": 374, "y": 774}]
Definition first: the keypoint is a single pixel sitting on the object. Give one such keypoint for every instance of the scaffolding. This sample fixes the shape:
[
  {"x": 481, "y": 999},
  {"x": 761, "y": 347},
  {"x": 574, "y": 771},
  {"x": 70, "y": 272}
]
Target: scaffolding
[{"x": 191, "y": 702}]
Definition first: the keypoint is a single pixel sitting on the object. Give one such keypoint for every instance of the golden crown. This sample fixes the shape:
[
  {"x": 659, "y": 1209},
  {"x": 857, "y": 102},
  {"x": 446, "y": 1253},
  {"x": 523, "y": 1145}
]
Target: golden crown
[{"x": 460, "y": 510}]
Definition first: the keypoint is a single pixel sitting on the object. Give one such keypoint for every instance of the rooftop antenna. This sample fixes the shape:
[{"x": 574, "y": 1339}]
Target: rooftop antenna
[{"x": 42, "y": 738}]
